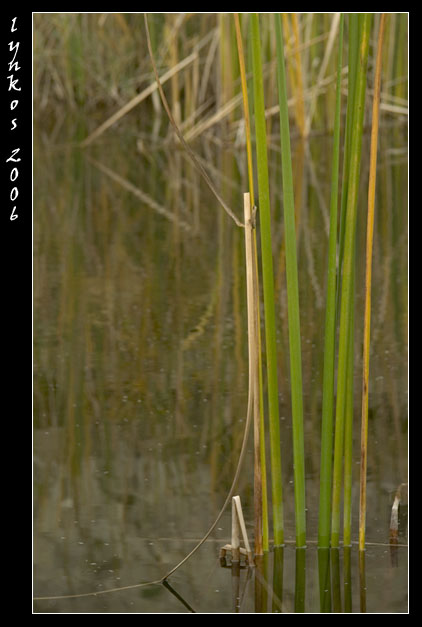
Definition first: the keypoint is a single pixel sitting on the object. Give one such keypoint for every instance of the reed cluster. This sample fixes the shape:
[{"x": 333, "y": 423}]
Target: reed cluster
[{"x": 337, "y": 430}]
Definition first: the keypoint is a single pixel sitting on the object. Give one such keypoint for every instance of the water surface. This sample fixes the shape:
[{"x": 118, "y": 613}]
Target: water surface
[{"x": 140, "y": 379}]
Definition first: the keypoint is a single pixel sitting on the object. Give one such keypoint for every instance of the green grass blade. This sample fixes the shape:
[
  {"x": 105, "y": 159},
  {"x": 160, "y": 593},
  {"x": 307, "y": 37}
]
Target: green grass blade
[
  {"x": 292, "y": 295},
  {"x": 348, "y": 422},
  {"x": 356, "y": 26},
  {"x": 351, "y": 81},
  {"x": 330, "y": 326},
  {"x": 268, "y": 282},
  {"x": 346, "y": 288}
]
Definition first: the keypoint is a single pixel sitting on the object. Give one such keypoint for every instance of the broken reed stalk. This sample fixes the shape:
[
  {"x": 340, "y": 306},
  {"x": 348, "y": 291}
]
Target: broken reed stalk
[
  {"x": 265, "y": 530},
  {"x": 268, "y": 281},
  {"x": 238, "y": 527},
  {"x": 292, "y": 295},
  {"x": 330, "y": 326},
  {"x": 367, "y": 322},
  {"x": 253, "y": 364},
  {"x": 347, "y": 275},
  {"x": 243, "y": 528},
  {"x": 235, "y": 541}
]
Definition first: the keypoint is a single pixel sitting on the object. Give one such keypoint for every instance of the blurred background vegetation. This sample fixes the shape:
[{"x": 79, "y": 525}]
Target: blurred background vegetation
[{"x": 96, "y": 63}]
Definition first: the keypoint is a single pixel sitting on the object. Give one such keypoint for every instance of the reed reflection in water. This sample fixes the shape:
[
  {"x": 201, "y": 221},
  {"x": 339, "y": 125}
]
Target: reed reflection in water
[{"x": 140, "y": 376}]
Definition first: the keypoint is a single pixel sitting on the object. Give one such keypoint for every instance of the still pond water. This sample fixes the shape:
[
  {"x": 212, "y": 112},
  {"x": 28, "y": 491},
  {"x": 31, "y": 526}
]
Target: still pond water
[{"x": 140, "y": 381}]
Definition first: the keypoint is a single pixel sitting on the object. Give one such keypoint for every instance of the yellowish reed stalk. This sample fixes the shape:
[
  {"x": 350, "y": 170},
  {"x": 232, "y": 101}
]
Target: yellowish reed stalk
[{"x": 367, "y": 323}]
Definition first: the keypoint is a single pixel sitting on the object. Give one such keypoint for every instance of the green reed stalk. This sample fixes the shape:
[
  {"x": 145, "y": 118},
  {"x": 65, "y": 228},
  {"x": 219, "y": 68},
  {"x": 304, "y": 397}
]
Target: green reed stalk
[
  {"x": 356, "y": 25},
  {"x": 348, "y": 422},
  {"x": 292, "y": 294},
  {"x": 242, "y": 69},
  {"x": 346, "y": 288},
  {"x": 268, "y": 282},
  {"x": 367, "y": 323},
  {"x": 352, "y": 65},
  {"x": 330, "y": 326},
  {"x": 348, "y": 410}
]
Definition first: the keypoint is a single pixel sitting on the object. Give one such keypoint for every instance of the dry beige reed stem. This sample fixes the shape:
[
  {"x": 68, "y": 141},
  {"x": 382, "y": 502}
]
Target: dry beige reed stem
[{"x": 253, "y": 364}]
